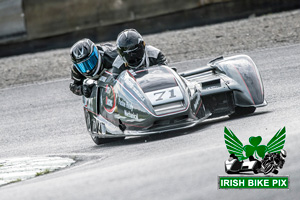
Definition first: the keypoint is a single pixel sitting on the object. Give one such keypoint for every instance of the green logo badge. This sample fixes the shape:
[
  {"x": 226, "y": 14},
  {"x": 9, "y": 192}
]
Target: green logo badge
[
  {"x": 235, "y": 146},
  {"x": 264, "y": 159}
]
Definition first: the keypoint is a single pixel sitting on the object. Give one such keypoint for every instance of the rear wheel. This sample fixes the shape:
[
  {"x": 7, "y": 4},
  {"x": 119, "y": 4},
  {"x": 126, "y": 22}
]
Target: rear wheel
[{"x": 240, "y": 111}]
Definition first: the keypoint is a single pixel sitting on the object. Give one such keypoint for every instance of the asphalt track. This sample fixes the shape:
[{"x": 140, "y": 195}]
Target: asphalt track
[{"x": 46, "y": 119}]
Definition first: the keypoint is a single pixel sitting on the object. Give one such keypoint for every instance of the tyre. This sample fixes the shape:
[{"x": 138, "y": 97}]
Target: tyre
[
  {"x": 87, "y": 119},
  {"x": 268, "y": 168},
  {"x": 93, "y": 128},
  {"x": 256, "y": 168},
  {"x": 240, "y": 111}
]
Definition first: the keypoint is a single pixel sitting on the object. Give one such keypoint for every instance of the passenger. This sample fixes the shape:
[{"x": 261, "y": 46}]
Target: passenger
[{"x": 134, "y": 53}]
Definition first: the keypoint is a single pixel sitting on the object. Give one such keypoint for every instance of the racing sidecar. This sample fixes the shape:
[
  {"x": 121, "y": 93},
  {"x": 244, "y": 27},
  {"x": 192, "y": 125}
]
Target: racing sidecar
[
  {"x": 234, "y": 166},
  {"x": 158, "y": 99}
]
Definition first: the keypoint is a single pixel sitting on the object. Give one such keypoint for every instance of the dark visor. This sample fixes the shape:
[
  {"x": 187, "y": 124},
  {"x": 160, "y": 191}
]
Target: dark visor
[{"x": 133, "y": 56}]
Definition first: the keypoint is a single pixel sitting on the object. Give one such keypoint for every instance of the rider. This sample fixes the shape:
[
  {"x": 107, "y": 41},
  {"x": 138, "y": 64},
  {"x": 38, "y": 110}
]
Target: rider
[
  {"x": 89, "y": 61},
  {"x": 272, "y": 161},
  {"x": 134, "y": 53}
]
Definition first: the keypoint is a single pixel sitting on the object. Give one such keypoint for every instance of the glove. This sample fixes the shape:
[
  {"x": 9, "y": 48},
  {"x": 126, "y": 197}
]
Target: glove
[
  {"x": 76, "y": 89},
  {"x": 87, "y": 89}
]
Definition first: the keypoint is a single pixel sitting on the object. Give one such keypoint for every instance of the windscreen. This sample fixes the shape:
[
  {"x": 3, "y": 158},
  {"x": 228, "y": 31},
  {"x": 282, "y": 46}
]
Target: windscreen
[{"x": 155, "y": 78}]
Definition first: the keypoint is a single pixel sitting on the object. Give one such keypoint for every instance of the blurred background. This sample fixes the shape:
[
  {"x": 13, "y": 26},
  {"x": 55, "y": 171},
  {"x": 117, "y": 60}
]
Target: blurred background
[{"x": 28, "y": 26}]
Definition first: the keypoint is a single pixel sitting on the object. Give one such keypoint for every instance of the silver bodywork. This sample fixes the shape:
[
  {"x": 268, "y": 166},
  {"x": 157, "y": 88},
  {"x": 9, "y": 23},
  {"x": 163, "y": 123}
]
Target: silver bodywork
[{"x": 158, "y": 99}]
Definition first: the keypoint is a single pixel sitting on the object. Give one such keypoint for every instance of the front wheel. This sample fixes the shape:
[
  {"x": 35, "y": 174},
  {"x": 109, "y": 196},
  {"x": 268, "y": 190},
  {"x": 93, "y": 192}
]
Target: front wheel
[
  {"x": 240, "y": 111},
  {"x": 99, "y": 141}
]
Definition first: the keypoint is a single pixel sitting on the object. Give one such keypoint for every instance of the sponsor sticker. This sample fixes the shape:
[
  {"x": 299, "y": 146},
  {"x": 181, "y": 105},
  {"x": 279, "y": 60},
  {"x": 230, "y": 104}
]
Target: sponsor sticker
[
  {"x": 109, "y": 99},
  {"x": 131, "y": 115},
  {"x": 125, "y": 104}
]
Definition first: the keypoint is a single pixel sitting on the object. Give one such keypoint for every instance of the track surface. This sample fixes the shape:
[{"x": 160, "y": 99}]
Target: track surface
[{"x": 46, "y": 119}]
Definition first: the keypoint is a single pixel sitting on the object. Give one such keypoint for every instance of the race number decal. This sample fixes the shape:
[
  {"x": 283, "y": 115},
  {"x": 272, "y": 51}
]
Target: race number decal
[{"x": 163, "y": 96}]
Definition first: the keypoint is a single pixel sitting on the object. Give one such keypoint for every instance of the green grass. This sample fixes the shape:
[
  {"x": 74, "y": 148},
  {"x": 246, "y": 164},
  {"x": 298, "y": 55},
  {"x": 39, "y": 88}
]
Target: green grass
[
  {"x": 46, "y": 171},
  {"x": 15, "y": 181},
  {"x": 1, "y": 165}
]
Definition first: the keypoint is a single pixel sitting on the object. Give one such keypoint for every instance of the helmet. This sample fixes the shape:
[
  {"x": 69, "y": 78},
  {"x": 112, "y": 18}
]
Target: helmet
[
  {"x": 131, "y": 47},
  {"x": 85, "y": 57},
  {"x": 283, "y": 154}
]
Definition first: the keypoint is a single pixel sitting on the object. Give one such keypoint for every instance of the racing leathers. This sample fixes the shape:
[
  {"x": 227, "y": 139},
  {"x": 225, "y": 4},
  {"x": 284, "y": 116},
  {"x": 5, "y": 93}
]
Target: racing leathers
[
  {"x": 153, "y": 57},
  {"x": 274, "y": 160},
  {"x": 108, "y": 53}
]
